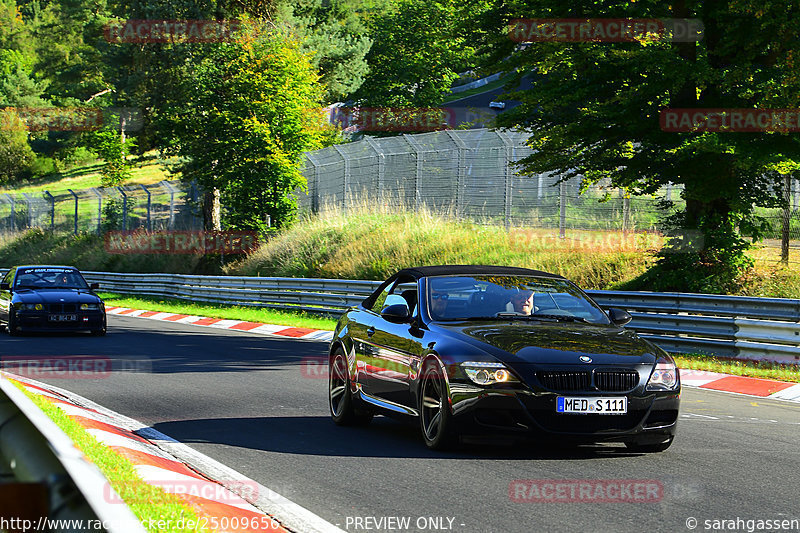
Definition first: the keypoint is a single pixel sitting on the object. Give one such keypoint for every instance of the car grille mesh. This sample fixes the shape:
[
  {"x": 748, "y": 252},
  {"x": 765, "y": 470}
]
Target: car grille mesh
[
  {"x": 616, "y": 380},
  {"x": 604, "y": 380},
  {"x": 564, "y": 380},
  {"x": 62, "y": 308}
]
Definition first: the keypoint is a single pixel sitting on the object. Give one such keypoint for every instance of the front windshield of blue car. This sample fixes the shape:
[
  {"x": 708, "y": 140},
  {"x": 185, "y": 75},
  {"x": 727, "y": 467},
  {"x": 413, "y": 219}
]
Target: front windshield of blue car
[
  {"x": 49, "y": 278},
  {"x": 509, "y": 297}
]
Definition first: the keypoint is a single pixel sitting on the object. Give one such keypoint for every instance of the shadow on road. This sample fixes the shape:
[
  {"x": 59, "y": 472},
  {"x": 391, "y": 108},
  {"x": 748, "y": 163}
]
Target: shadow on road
[{"x": 318, "y": 435}]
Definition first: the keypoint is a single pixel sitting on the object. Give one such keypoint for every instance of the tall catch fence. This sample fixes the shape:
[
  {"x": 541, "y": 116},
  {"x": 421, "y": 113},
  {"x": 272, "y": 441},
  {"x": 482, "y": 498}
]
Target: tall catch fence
[
  {"x": 168, "y": 205},
  {"x": 472, "y": 174}
]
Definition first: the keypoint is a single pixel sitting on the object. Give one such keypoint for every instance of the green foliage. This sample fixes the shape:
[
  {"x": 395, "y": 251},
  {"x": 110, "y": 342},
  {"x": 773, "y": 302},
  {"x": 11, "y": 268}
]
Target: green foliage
[
  {"x": 114, "y": 150},
  {"x": 335, "y": 36},
  {"x": 16, "y": 155},
  {"x": 417, "y": 53},
  {"x": 252, "y": 109},
  {"x": 593, "y": 109}
]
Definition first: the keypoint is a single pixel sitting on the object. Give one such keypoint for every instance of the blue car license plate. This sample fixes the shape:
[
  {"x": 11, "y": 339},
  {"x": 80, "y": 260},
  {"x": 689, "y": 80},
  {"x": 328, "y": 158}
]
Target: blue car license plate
[{"x": 592, "y": 405}]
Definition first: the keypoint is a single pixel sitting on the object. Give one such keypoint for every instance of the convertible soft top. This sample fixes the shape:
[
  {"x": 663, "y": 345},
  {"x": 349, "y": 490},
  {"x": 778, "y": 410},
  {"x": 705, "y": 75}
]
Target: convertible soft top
[{"x": 455, "y": 270}]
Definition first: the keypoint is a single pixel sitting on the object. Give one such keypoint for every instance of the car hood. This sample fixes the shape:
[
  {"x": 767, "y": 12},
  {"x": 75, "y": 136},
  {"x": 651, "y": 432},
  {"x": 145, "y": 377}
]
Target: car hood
[
  {"x": 554, "y": 343},
  {"x": 48, "y": 296}
]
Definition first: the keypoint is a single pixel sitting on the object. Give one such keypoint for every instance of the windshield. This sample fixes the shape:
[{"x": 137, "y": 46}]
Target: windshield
[
  {"x": 49, "y": 278},
  {"x": 509, "y": 297}
]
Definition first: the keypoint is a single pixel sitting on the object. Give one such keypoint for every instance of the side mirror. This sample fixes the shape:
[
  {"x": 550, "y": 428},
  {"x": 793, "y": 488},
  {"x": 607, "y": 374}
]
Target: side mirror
[
  {"x": 619, "y": 317},
  {"x": 395, "y": 309},
  {"x": 4, "y": 287},
  {"x": 94, "y": 286}
]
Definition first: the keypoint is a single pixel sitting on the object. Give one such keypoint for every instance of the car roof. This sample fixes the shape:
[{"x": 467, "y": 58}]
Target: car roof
[
  {"x": 455, "y": 270},
  {"x": 46, "y": 266}
]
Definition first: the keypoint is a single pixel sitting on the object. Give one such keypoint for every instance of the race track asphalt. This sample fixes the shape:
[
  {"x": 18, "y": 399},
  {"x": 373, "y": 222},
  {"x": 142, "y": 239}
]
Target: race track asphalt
[{"x": 255, "y": 404}]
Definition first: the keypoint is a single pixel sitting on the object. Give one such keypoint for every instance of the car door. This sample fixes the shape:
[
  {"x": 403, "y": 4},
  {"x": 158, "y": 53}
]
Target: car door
[
  {"x": 5, "y": 295},
  {"x": 394, "y": 353}
]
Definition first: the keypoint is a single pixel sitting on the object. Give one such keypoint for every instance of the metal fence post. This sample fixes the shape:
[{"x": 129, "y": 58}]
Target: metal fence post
[
  {"x": 381, "y": 166},
  {"x": 52, "y": 210},
  {"x": 461, "y": 171},
  {"x": 787, "y": 215},
  {"x": 418, "y": 169},
  {"x": 29, "y": 204},
  {"x": 99, "y": 208},
  {"x": 124, "y": 209},
  {"x": 345, "y": 178},
  {"x": 313, "y": 188},
  {"x": 149, "y": 226},
  {"x": 626, "y": 212},
  {"x": 562, "y": 207},
  {"x": 75, "y": 231},
  {"x": 171, "y": 192},
  {"x": 13, "y": 213}
]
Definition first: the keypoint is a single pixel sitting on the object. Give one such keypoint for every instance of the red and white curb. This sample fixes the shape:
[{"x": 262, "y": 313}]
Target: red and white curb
[
  {"x": 223, "y": 499},
  {"x": 762, "y": 388},
  {"x": 239, "y": 325}
]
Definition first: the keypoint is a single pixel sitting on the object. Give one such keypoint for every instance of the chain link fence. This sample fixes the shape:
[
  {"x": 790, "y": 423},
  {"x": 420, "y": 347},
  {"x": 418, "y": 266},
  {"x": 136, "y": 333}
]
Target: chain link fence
[
  {"x": 168, "y": 205},
  {"x": 472, "y": 174}
]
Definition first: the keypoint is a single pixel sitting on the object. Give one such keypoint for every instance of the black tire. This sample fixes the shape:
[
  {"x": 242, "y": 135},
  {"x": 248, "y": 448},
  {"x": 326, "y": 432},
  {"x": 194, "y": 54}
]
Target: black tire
[
  {"x": 340, "y": 399},
  {"x": 100, "y": 332},
  {"x": 435, "y": 417},
  {"x": 12, "y": 328},
  {"x": 634, "y": 446}
]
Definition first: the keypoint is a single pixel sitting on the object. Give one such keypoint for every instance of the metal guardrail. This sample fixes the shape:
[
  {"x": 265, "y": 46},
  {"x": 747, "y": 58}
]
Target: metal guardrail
[
  {"x": 727, "y": 326},
  {"x": 37, "y": 455}
]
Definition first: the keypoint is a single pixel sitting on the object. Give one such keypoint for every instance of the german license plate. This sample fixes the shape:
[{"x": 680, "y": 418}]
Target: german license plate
[
  {"x": 593, "y": 406},
  {"x": 63, "y": 318}
]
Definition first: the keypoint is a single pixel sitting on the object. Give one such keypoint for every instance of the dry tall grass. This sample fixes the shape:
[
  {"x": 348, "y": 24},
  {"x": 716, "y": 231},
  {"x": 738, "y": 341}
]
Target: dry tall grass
[{"x": 372, "y": 241}]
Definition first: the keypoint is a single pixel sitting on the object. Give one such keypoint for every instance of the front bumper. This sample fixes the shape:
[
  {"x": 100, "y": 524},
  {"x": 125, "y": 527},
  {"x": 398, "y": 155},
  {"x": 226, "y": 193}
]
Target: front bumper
[
  {"x": 41, "y": 321},
  {"x": 651, "y": 415}
]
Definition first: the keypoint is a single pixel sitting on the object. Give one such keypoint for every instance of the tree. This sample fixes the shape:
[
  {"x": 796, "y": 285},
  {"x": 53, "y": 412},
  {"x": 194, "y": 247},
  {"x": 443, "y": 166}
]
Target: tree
[
  {"x": 16, "y": 155},
  {"x": 416, "y": 54},
  {"x": 335, "y": 35},
  {"x": 252, "y": 109},
  {"x": 595, "y": 112}
]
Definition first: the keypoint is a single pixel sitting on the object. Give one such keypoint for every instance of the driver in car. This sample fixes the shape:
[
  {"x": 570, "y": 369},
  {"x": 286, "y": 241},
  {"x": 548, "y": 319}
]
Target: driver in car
[
  {"x": 438, "y": 302},
  {"x": 522, "y": 302}
]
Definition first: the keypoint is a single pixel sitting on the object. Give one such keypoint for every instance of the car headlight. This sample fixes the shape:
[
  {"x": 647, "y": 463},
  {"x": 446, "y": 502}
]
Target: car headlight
[
  {"x": 90, "y": 307},
  {"x": 28, "y": 307},
  {"x": 482, "y": 373},
  {"x": 664, "y": 376}
]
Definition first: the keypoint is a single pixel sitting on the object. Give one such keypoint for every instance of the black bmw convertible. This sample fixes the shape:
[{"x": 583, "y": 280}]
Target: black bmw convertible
[
  {"x": 50, "y": 298},
  {"x": 485, "y": 349}
]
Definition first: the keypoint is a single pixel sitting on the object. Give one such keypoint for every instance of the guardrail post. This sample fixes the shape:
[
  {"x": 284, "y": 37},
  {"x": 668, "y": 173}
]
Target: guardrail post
[
  {"x": 52, "y": 210},
  {"x": 124, "y": 208},
  {"x": 75, "y": 231},
  {"x": 149, "y": 225}
]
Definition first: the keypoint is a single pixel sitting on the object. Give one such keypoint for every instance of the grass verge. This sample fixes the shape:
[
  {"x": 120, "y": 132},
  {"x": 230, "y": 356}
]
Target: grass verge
[
  {"x": 233, "y": 312},
  {"x": 737, "y": 367},
  {"x": 145, "y": 500}
]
